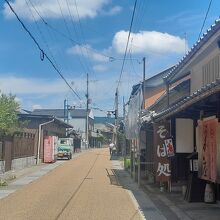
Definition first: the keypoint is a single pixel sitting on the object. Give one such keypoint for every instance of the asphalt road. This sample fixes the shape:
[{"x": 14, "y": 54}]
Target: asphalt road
[{"x": 83, "y": 188}]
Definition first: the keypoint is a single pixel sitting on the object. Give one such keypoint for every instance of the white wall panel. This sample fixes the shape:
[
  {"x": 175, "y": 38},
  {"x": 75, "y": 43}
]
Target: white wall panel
[{"x": 184, "y": 135}]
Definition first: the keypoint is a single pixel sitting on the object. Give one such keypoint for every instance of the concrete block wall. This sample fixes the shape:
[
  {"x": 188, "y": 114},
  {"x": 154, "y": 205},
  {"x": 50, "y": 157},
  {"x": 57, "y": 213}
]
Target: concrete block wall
[
  {"x": 21, "y": 163},
  {"x": 2, "y": 166}
]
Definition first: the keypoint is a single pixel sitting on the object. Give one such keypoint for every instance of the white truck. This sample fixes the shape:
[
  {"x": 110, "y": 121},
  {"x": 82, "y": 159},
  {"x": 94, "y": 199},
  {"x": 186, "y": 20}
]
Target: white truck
[{"x": 65, "y": 148}]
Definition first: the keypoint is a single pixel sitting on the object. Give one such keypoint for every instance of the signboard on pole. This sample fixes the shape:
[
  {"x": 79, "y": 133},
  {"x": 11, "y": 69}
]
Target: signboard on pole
[{"x": 162, "y": 164}]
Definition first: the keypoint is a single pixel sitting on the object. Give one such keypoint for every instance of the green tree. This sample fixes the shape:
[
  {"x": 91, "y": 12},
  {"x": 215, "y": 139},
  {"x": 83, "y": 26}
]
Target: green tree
[{"x": 8, "y": 114}]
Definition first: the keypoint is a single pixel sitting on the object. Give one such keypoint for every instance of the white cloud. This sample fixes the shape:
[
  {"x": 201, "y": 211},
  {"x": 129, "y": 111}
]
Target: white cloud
[
  {"x": 43, "y": 93},
  {"x": 113, "y": 11},
  {"x": 17, "y": 85},
  {"x": 100, "y": 68},
  {"x": 149, "y": 42},
  {"x": 19, "y": 100},
  {"x": 41, "y": 88},
  {"x": 51, "y": 8},
  {"x": 36, "y": 106},
  {"x": 87, "y": 51}
]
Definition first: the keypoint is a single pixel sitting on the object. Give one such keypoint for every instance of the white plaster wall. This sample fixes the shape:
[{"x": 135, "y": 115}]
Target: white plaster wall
[
  {"x": 184, "y": 135},
  {"x": 21, "y": 163}
]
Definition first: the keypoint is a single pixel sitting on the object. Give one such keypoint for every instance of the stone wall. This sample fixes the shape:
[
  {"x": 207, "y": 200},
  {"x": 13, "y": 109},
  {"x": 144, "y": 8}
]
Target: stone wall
[{"x": 21, "y": 163}]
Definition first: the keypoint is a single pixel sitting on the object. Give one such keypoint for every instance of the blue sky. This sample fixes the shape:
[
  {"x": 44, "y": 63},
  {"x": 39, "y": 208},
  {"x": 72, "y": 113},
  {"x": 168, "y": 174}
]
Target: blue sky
[{"x": 97, "y": 28}]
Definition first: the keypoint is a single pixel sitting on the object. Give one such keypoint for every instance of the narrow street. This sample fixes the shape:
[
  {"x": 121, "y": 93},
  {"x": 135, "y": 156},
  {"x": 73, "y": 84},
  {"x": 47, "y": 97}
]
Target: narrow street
[{"x": 83, "y": 188}]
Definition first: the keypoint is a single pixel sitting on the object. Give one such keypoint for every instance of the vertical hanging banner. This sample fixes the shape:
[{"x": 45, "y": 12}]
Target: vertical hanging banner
[
  {"x": 208, "y": 151},
  {"x": 218, "y": 152},
  {"x": 169, "y": 147},
  {"x": 162, "y": 164}
]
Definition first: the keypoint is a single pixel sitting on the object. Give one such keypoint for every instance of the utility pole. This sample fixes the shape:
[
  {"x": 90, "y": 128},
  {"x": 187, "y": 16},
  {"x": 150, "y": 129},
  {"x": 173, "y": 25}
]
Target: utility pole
[
  {"x": 124, "y": 140},
  {"x": 143, "y": 107},
  {"x": 144, "y": 77},
  {"x": 123, "y": 107},
  {"x": 66, "y": 111},
  {"x": 87, "y": 111},
  {"x": 116, "y": 117}
]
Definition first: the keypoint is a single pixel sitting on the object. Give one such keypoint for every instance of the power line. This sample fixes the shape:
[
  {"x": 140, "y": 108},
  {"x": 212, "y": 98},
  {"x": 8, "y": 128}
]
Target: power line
[
  {"x": 74, "y": 28},
  {"x": 203, "y": 24},
  {"x": 50, "y": 28},
  {"x": 41, "y": 34},
  {"x": 54, "y": 38},
  {"x": 43, "y": 54},
  {"x": 129, "y": 34},
  {"x": 140, "y": 13},
  {"x": 69, "y": 33},
  {"x": 70, "y": 38},
  {"x": 131, "y": 59},
  {"x": 81, "y": 29}
]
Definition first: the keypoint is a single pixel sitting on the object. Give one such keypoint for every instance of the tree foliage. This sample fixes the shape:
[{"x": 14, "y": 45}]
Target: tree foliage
[{"x": 9, "y": 108}]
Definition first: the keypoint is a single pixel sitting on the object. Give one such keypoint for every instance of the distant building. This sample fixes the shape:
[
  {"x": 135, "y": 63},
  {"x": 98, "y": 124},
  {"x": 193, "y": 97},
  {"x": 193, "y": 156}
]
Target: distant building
[
  {"x": 76, "y": 118},
  {"x": 106, "y": 126}
]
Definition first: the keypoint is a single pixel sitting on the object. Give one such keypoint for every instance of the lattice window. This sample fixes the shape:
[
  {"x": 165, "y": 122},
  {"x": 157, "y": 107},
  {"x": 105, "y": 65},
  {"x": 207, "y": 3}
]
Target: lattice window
[{"x": 210, "y": 71}]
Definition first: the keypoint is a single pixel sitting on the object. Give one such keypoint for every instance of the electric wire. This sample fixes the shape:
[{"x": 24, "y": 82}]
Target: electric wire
[
  {"x": 69, "y": 33},
  {"x": 129, "y": 34},
  {"x": 41, "y": 50},
  {"x": 64, "y": 20},
  {"x": 81, "y": 30},
  {"x": 131, "y": 59},
  {"x": 132, "y": 69},
  {"x": 75, "y": 31},
  {"x": 70, "y": 38},
  {"x": 41, "y": 34},
  {"x": 68, "y": 30},
  {"x": 206, "y": 15},
  {"x": 50, "y": 29},
  {"x": 139, "y": 19}
]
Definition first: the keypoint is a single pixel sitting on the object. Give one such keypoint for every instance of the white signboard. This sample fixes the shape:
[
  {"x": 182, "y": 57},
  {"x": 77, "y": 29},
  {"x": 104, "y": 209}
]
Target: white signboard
[{"x": 184, "y": 135}]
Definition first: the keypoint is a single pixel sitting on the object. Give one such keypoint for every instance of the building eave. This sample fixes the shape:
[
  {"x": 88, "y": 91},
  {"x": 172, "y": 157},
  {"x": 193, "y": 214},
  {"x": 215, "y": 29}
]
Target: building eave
[
  {"x": 200, "y": 94},
  {"x": 195, "y": 48}
]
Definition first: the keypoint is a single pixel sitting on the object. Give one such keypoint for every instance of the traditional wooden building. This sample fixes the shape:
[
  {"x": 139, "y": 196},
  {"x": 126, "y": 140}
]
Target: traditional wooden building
[{"x": 191, "y": 120}]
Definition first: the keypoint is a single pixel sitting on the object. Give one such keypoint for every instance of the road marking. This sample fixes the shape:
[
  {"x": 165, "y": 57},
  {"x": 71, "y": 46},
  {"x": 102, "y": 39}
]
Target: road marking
[{"x": 137, "y": 207}]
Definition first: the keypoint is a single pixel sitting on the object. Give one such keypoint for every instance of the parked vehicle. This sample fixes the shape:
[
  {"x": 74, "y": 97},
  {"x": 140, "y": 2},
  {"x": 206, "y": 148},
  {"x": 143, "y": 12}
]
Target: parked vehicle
[{"x": 65, "y": 148}]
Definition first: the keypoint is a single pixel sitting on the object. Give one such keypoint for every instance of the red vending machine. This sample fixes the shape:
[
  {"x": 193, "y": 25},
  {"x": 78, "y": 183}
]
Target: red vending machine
[{"x": 49, "y": 149}]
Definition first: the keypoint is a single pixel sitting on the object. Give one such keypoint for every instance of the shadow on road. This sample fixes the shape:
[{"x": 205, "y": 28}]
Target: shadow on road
[
  {"x": 114, "y": 157},
  {"x": 112, "y": 177},
  {"x": 141, "y": 200}
]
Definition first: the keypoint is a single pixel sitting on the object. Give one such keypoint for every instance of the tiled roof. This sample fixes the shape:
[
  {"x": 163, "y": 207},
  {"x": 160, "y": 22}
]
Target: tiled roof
[
  {"x": 78, "y": 113},
  {"x": 59, "y": 113},
  {"x": 46, "y": 117},
  {"x": 204, "y": 92},
  {"x": 104, "y": 120},
  {"x": 203, "y": 39},
  {"x": 157, "y": 79}
]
